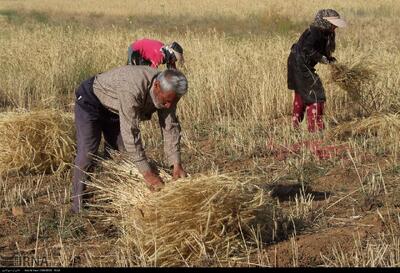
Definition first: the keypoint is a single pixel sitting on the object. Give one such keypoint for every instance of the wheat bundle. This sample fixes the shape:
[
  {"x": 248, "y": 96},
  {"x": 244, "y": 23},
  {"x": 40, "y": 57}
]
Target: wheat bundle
[
  {"x": 386, "y": 127},
  {"x": 351, "y": 78},
  {"x": 357, "y": 80},
  {"x": 35, "y": 142},
  {"x": 190, "y": 220}
]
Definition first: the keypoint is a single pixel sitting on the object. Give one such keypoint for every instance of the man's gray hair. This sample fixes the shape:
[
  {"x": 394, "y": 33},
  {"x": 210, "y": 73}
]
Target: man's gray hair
[{"x": 173, "y": 80}]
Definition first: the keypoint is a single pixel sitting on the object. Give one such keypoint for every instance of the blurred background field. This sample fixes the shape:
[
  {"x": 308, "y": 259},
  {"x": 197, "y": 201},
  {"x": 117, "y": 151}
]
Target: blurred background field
[{"x": 236, "y": 53}]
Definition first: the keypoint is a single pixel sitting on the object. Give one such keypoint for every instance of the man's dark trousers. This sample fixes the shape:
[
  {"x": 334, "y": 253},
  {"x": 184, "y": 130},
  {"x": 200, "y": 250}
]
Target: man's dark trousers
[{"x": 91, "y": 120}]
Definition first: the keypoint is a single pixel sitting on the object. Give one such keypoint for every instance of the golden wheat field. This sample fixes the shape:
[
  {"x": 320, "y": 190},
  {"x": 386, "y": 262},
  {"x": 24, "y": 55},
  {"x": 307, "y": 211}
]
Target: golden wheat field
[{"x": 250, "y": 199}]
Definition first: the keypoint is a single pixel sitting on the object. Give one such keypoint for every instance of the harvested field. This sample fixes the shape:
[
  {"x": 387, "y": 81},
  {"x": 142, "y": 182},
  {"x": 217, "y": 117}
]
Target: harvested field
[{"x": 304, "y": 200}]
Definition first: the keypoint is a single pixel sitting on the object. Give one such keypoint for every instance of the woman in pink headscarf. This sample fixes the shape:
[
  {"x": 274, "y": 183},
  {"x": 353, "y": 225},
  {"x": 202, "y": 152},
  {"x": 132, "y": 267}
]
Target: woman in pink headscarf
[{"x": 153, "y": 53}]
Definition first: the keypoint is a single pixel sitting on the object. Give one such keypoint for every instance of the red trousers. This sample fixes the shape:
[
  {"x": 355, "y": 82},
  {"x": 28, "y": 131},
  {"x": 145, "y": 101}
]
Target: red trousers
[{"x": 314, "y": 111}]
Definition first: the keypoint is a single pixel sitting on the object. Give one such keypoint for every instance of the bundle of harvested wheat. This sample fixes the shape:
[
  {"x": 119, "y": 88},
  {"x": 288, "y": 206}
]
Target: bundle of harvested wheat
[
  {"x": 386, "y": 127},
  {"x": 35, "y": 142},
  {"x": 350, "y": 78},
  {"x": 358, "y": 82},
  {"x": 192, "y": 221}
]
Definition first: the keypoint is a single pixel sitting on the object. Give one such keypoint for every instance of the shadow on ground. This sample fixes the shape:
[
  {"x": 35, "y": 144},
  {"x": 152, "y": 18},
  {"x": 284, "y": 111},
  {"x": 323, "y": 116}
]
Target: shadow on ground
[{"x": 286, "y": 192}]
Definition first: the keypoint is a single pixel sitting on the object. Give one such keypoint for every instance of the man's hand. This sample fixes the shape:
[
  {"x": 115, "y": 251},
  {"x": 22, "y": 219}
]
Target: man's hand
[
  {"x": 153, "y": 180},
  {"x": 178, "y": 172}
]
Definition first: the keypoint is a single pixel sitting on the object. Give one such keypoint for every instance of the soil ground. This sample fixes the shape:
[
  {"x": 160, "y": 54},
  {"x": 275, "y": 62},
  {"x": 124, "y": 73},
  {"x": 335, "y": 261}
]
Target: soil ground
[{"x": 341, "y": 213}]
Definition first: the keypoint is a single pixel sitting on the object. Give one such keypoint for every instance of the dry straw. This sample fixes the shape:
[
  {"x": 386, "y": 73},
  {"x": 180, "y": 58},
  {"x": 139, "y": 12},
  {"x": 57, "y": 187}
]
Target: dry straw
[
  {"x": 350, "y": 78},
  {"x": 357, "y": 80},
  {"x": 384, "y": 127},
  {"x": 375, "y": 121},
  {"x": 195, "y": 221},
  {"x": 35, "y": 142}
]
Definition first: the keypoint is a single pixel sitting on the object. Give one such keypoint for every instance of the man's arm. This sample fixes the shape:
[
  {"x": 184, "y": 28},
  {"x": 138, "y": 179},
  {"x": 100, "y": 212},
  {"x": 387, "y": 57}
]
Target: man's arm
[
  {"x": 131, "y": 136},
  {"x": 130, "y": 132},
  {"x": 171, "y": 131}
]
